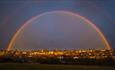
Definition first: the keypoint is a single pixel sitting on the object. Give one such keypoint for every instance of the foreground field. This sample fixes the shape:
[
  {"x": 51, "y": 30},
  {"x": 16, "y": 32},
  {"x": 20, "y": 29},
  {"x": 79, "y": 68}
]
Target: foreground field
[{"x": 17, "y": 66}]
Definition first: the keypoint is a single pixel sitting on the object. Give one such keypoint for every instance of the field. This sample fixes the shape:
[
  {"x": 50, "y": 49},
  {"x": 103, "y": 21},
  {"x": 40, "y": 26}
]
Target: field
[{"x": 24, "y": 66}]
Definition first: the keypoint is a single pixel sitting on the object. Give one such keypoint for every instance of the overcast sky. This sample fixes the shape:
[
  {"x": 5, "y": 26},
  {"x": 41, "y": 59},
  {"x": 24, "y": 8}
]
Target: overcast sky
[{"x": 14, "y": 13}]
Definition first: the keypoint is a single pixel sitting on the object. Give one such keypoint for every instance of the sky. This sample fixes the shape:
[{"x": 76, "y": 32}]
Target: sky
[
  {"x": 14, "y": 13},
  {"x": 58, "y": 30}
]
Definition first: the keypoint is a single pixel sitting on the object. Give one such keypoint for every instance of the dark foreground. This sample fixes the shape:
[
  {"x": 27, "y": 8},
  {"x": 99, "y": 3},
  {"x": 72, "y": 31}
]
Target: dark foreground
[{"x": 30, "y": 66}]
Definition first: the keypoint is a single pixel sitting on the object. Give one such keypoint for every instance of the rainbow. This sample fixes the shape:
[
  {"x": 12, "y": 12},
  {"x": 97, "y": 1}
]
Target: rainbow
[{"x": 65, "y": 12}]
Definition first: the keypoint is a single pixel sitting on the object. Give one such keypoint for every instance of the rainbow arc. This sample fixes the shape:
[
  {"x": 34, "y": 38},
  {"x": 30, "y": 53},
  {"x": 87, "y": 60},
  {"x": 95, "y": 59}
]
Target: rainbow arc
[{"x": 104, "y": 40}]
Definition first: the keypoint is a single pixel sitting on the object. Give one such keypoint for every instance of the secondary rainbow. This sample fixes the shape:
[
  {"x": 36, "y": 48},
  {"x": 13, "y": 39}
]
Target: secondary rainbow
[{"x": 104, "y": 40}]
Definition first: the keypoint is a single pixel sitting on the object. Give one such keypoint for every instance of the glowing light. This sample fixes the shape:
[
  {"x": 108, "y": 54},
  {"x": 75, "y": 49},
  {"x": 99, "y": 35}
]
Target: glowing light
[{"x": 65, "y": 12}]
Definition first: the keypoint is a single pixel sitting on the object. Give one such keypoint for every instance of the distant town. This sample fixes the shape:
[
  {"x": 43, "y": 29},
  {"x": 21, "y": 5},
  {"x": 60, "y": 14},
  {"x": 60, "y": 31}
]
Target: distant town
[{"x": 45, "y": 56}]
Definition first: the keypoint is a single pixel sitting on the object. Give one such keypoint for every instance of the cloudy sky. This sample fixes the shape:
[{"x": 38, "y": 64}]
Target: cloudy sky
[{"x": 14, "y": 13}]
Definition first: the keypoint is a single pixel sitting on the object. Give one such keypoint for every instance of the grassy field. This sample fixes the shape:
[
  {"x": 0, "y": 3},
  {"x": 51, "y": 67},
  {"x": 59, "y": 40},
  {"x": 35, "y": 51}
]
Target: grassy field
[{"x": 17, "y": 66}]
